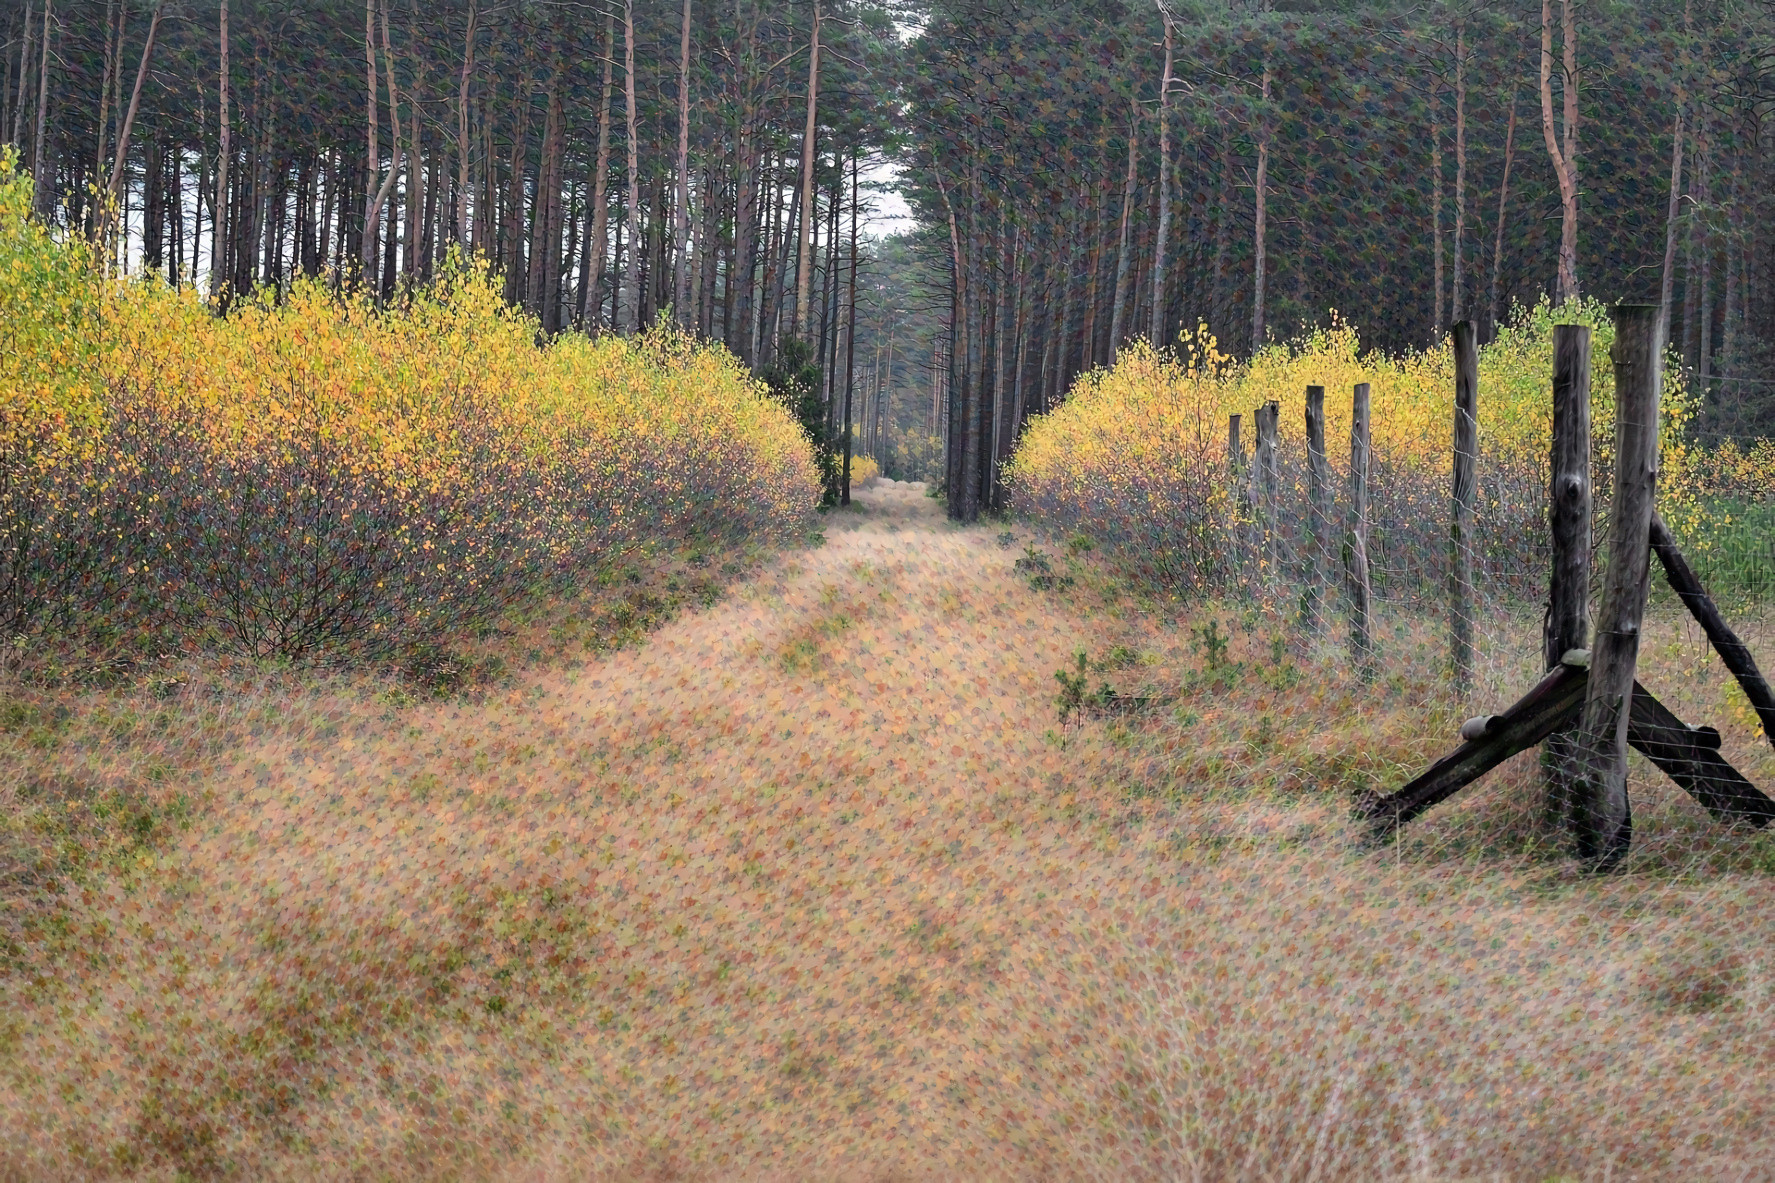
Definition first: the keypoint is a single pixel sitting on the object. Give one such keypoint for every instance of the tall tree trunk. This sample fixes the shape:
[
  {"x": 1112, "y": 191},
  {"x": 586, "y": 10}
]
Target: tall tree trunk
[
  {"x": 113, "y": 50},
  {"x": 1563, "y": 154},
  {"x": 850, "y": 334},
  {"x": 135, "y": 99},
  {"x": 1088, "y": 353},
  {"x": 1673, "y": 212},
  {"x": 1457, "y": 304},
  {"x": 627, "y": 317},
  {"x": 380, "y": 200},
  {"x": 1497, "y": 258},
  {"x": 1220, "y": 301},
  {"x": 598, "y": 237},
  {"x": 1156, "y": 334},
  {"x": 804, "y": 274},
  {"x": 1122, "y": 270},
  {"x": 1436, "y": 319},
  {"x": 545, "y": 226},
  {"x": 411, "y": 233},
  {"x": 1261, "y": 184},
  {"x": 1704, "y": 250},
  {"x": 24, "y": 74},
  {"x": 682, "y": 311},
  {"x": 460, "y": 231},
  {"x": 42, "y": 185},
  {"x": 373, "y": 153}
]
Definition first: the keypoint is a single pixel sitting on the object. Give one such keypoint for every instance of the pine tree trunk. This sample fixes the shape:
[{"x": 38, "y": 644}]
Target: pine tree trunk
[
  {"x": 1497, "y": 259},
  {"x": 628, "y": 310},
  {"x": 1122, "y": 270}
]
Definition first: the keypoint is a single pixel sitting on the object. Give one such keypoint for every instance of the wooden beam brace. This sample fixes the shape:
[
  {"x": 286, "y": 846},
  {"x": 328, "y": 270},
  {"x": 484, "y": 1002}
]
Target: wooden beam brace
[
  {"x": 1688, "y": 755},
  {"x": 1733, "y": 652}
]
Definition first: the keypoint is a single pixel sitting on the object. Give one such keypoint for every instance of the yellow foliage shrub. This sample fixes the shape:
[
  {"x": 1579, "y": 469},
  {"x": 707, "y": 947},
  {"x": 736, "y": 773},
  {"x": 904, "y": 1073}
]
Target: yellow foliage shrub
[
  {"x": 863, "y": 470},
  {"x": 1138, "y": 455},
  {"x": 312, "y": 473}
]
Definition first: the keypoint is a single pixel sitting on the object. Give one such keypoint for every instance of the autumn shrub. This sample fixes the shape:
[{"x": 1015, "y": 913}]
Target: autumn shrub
[
  {"x": 52, "y": 519},
  {"x": 1138, "y": 456},
  {"x": 313, "y": 474}
]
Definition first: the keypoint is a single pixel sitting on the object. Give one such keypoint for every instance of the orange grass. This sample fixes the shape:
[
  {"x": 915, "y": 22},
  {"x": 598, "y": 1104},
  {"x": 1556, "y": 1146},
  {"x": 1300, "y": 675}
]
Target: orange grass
[{"x": 814, "y": 885}]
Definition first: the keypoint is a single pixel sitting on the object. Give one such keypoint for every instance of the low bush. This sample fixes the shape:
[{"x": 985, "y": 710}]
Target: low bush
[
  {"x": 313, "y": 475},
  {"x": 1138, "y": 457}
]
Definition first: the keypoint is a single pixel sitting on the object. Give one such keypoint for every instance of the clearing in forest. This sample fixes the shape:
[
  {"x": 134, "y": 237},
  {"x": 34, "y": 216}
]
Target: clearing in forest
[{"x": 813, "y": 884}]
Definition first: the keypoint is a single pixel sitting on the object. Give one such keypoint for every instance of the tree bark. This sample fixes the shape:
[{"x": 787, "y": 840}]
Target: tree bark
[
  {"x": 1319, "y": 507},
  {"x": 1356, "y": 543},
  {"x": 1466, "y": 464},
  {"x": 1457, "y": 305},
  {"x": 1436, "y": 321},
  {"x": 1604, "y": 821},
  {"x": 1161, "y": 236},
  {"x": 1497, "y": 259},
  {"x": 1260, "y": 184},
  {"x": 461, "y": 231},
  {"x": 1567, "y": 624},
  {"x": 850, "y": 336},
  {"x": 681, "y": 309},
  {"x": 803, "y": 272},
  {"x": 629, "y": 307},
  {"x": 1122, "y": 271},
  {"x": 24, "y": 75},
  {"x": 1564, "y": 157},
  {"x": 597, "y": 238},
  {"x": 41, "y": 186}
]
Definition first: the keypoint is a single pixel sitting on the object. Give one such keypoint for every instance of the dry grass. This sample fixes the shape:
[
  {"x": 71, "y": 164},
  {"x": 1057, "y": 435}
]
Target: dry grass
[{"x": 813, "y": 885}]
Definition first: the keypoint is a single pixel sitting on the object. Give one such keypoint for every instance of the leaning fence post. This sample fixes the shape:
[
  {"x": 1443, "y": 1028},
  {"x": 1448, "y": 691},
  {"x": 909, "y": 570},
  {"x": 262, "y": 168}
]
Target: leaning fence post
[
  {"x": 1356, "y": 542},
  {"x": 1466, "y": 463},
  {"x": 1568, "y": 517},
  {"x": 1605, "y": 825},
  {"x": 1319, "y": 508}
]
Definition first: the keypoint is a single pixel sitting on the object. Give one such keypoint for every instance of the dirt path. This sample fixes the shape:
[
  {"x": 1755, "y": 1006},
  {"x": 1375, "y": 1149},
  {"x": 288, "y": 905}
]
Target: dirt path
[
  {"x": 803, "y": 889},
  {"x": 795, "y": 886}
]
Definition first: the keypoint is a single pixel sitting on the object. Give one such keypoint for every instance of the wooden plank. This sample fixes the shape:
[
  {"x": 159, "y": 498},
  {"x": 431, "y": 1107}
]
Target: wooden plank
[
  {"x": 1356, "y": 541},
  {"x": 1463, "y": 486},
  {"x": 1567, "y": 625},
  {"x": 1551, "y": 704},
  {"x": 1688, "y": 755},
  {"x": 1319, "y": 509},
  {"x": 1603, "y": 823},
  {"x": 1733, "y": 652}
]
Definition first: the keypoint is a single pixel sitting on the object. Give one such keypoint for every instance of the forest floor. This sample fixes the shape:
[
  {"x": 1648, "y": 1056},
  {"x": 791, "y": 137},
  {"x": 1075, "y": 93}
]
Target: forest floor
[{"x": 815, "y": 884}]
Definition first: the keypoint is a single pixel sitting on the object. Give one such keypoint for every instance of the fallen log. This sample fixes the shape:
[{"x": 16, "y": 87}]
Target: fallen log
[
  {"x": 1688, "y": 755},
  {"x": 1733, "y": 652}
]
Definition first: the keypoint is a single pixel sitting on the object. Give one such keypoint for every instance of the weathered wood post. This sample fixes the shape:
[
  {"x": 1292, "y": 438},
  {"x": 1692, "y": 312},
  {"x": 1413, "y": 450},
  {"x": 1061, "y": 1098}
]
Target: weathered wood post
[
  {"x": 1460, "y": 531},
  {"x": 1567, "y": 625},
  {"x": 1319, "y": 509},
  {"x": 1266, "y": 478},
  {"x": 1235, "y": 451},
  {"x": 1605, "y": 825},
  {"x": 1356, "y": 541}
]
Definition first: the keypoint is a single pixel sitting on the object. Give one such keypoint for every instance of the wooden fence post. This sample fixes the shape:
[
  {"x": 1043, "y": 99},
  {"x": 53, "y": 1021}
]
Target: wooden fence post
[
  {"x": 1356, "y": 542},
  {"x": 1319, "y": 509},
  {"x": 1460, "y": 540},
  {"x": 1605, "y": 823},
  {"x": 1266, "y": 476},
  {"x": 1235, "y": 451},
  {"x": 1567, "y": 624}
]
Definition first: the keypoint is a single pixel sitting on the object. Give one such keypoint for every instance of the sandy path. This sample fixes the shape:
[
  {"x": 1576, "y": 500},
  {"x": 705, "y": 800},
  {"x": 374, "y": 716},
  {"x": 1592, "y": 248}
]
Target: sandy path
[{"x": 800, "y": 889}]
